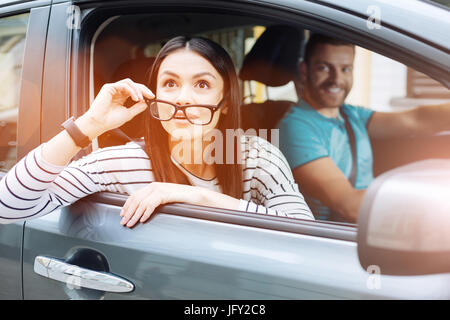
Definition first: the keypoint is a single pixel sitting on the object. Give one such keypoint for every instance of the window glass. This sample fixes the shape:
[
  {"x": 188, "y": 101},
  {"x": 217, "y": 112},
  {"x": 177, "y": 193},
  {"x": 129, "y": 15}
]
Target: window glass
[{"x": 12, "y": 44}]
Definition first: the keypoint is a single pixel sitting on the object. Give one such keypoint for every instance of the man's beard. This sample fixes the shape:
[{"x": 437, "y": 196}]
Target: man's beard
[{"x": 319, "y": 94}]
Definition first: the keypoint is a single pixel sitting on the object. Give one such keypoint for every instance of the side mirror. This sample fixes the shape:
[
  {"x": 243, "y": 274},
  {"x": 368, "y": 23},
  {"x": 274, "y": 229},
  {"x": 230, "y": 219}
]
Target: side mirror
[{"x": 404, "y": 220}]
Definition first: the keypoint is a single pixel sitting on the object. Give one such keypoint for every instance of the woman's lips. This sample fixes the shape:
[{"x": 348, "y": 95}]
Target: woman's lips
[
  {"x": 183, "y": 120},
  {"x": 180, "y": 121}
]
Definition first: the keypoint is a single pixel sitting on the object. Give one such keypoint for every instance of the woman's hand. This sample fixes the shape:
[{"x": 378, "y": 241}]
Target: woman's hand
[
  {"x": 108, "y": 111},
  {"x": 141, "y": 204}
]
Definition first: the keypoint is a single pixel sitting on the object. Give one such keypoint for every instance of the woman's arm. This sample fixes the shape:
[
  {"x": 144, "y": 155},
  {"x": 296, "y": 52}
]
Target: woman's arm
[
  {"x": 273, "y": 190},
  {"x": 40, "y": 182}
]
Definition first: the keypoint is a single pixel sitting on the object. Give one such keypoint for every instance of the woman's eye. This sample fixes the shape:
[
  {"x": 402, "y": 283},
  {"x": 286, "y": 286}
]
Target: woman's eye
[
  {"x": 169, "y": 84},
  {"x": 203, "y": 84}
]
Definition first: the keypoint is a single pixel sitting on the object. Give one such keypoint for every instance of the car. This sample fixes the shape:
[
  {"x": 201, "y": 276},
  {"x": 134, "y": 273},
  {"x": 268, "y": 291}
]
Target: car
[{"x": 57, "y": 55}]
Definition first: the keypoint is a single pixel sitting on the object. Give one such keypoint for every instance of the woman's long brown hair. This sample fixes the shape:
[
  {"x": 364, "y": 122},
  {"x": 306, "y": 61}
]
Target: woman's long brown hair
[{"x": 156, "y": 138}]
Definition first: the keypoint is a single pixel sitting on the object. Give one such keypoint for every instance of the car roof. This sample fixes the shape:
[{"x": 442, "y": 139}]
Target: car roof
[
  {"x": 420, "y": 19},
  {"x": 9, "y": 2}
]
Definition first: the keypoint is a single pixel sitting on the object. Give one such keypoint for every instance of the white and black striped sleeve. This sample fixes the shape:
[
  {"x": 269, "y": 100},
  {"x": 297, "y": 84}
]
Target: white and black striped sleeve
[
  {"x": 34, "y": 187},
  {"x": 272, "y": 188}
]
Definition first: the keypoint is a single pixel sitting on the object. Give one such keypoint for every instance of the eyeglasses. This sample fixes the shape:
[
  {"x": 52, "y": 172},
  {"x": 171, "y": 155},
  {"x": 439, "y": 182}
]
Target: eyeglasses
[{"x": 199, "y": 114}]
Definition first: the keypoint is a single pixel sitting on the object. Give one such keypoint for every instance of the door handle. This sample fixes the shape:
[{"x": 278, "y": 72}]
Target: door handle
[{"x": 71, "y": 274}]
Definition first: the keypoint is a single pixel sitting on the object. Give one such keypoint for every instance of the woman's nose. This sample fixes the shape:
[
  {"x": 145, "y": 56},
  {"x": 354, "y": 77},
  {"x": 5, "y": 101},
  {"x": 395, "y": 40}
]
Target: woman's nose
[
  {"x": 179, "y": 114},
  {"x": 184, "y": 97}
]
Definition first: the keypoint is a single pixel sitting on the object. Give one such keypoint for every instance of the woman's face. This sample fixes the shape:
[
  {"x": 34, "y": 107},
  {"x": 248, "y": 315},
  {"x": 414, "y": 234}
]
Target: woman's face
[{"x": 186, "y": 78}]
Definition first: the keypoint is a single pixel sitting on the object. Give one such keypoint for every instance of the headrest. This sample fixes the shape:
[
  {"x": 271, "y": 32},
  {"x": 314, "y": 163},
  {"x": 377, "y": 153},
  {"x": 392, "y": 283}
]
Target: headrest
[
  {"x": 273, "y": 60},
  {"x": 137, "y": 70}
]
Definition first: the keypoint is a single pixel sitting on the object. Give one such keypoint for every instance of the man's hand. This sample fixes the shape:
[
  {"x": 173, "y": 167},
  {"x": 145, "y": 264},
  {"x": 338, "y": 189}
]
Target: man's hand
[{"x": 420, "y": 121}]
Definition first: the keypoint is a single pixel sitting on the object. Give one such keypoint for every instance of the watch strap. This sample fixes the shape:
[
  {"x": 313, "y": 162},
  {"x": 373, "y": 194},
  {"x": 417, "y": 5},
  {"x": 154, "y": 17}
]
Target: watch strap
[{"x": 75, "y": 133}]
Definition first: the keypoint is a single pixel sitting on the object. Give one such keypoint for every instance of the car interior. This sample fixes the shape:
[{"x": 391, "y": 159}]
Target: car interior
[{"x": 128, "y": 44}]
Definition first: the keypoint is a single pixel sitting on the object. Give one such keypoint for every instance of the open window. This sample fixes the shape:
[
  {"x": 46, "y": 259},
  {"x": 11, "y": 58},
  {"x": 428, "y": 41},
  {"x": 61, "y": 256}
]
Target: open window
[{"x": 125, "y": 44}]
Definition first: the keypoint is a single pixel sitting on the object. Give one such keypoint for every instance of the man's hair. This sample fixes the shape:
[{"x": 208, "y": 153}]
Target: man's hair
[{"x": 316, "y": 39}]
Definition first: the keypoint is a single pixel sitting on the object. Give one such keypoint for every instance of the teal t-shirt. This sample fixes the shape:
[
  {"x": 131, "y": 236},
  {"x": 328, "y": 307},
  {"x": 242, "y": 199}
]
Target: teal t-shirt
[{"x": 307, "y": 135}]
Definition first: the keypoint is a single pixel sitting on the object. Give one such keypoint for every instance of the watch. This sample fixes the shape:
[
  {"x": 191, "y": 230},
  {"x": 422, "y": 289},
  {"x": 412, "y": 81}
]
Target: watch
[{"x": 75, "y": 133}]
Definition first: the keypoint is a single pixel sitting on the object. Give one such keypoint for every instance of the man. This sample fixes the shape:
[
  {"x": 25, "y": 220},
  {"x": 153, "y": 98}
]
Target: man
[{"x": 314, "y": 139}]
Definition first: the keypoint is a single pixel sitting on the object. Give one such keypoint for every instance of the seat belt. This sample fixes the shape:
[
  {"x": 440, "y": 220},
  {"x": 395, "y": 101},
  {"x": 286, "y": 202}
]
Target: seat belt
[
  {"x": 334, "y": 216},
  {"x": 352, "y": 141}
]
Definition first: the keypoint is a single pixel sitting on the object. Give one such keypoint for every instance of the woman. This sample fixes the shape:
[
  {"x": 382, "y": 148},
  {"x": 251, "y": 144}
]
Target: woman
[{"x": 197, "y": 96}]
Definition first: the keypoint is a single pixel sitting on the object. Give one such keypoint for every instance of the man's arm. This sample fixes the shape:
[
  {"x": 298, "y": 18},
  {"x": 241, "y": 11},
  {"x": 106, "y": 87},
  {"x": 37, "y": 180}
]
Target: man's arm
[
  {"x": 322, "y": 180},
  {"x": 423, "y": 120}
]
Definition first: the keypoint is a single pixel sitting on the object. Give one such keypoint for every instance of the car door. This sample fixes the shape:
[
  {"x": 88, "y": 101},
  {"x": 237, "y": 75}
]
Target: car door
[
  {"x": 186, "y": 251},
  {"x": 22, "y": 39}
]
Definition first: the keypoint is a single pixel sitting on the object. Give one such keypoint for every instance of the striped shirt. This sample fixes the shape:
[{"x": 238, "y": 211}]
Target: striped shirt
[{"x": 34, "y": 187}]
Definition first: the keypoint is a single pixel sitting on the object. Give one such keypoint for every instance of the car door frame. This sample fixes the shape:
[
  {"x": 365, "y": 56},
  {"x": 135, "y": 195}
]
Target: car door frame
[{"x": 28, "y": 129}]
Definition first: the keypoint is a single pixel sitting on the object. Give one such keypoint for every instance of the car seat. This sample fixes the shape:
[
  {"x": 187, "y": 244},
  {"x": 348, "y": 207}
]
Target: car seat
[{"x": 273, "y": 61}]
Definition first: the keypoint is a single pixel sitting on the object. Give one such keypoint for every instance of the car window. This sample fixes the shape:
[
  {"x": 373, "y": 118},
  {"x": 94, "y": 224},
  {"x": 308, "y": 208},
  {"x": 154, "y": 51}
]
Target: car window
[
  {"x": 12, "y": 44},
  {"x": 126, "y": 47},
  {"x": 379, "y": 84}
]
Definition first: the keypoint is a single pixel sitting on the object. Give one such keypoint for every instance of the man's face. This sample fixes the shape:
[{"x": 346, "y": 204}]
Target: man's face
[{"x": 328, "y": 77}]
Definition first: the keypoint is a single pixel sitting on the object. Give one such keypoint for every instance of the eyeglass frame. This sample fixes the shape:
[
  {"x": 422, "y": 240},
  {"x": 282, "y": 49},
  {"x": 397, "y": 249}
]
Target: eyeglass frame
[{"x": 213, "y": 109}]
